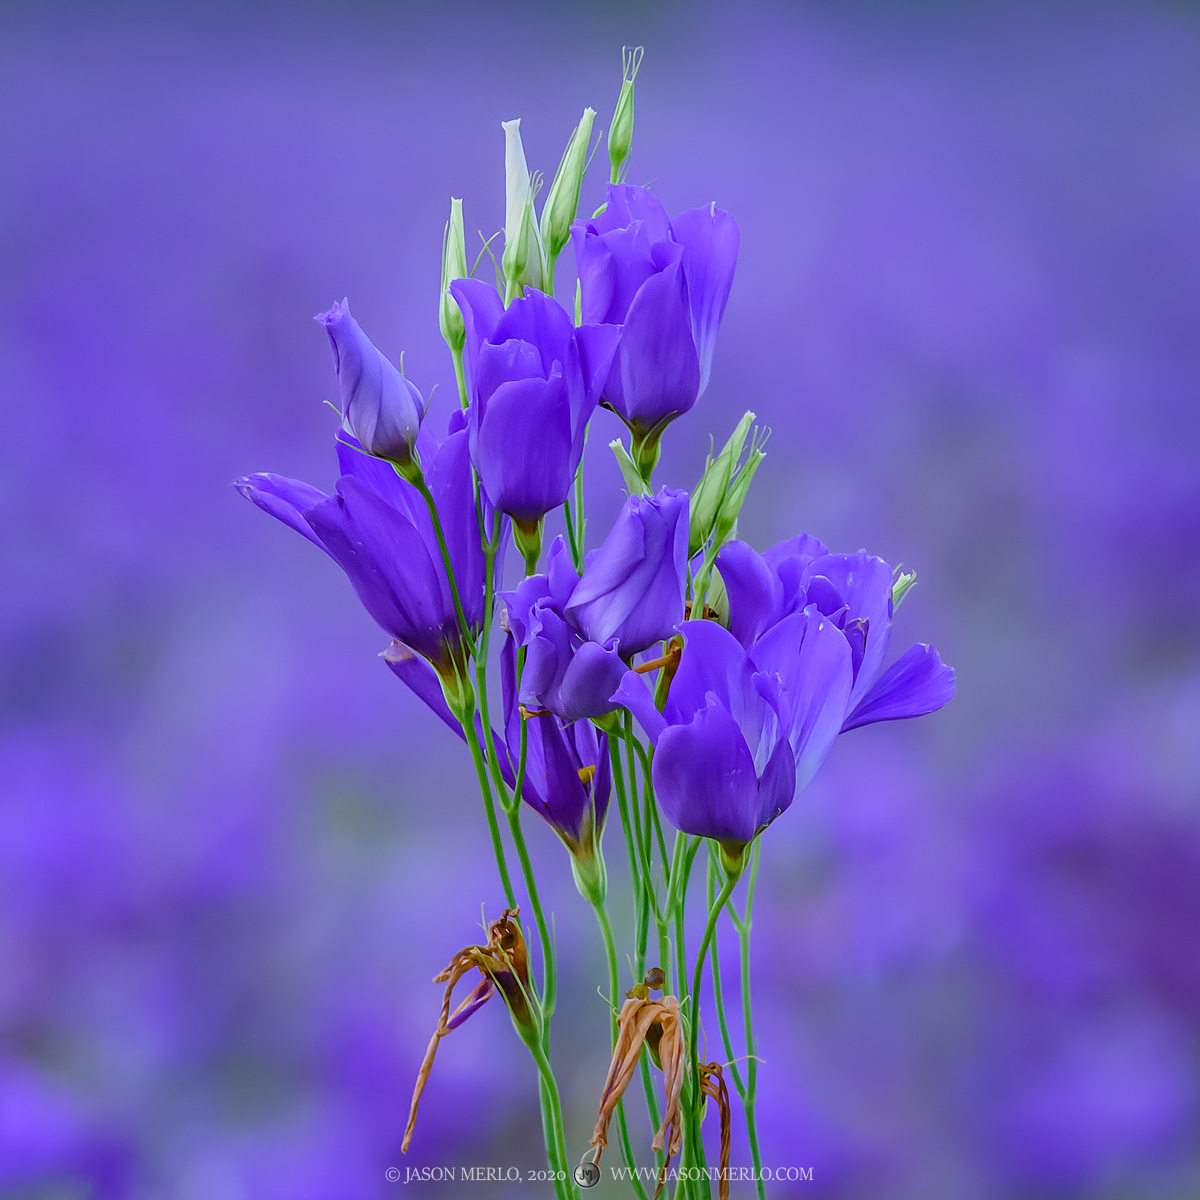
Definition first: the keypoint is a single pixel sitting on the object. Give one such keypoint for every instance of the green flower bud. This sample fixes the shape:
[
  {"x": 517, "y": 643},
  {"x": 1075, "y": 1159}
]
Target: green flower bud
[
  {"x": 561, "y": 204},
  {"x": 454, "y": 266},
  {"x": 635, "y": 485},
  {"x": 620, "y": 136},
  {"x": 524, "y": 258},
  {"x": 709, "y": 494},
  {"x": 726, "y": 523},
  {"x": 902, "y": 585}
]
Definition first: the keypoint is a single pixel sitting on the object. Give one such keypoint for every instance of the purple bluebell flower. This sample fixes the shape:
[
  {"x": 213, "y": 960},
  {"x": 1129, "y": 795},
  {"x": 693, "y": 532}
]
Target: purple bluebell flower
[
  {"x": 854, "y": 592},
  {"x": 633, "y": 589},
  {"x": 534, "y": 381},
  {"x": 667, "y": 282},
  {"x": 377, "y": 528},
  {"x": 564, "y": 673},
  {"x": 724, "y": 767},
  {"x": 567, "y": 779},
  {"x": 580, "y": 633},
  {"x": 381, "y": 410}
]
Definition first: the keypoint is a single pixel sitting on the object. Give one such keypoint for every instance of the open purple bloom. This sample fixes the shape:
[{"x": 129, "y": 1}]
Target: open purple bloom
[
  {"x": 633, "y": 589},
  {"x": 854, "y": 592},
  {"x": 567, "y": 773},
  {"x": 724, "y": 767},
  {"x": 380, "y": 408},
  {"x": 579, "y": 633},
  {"x": 534, "y": 383},
  {"x": 563, "y": 672},
  {"x": 666, "y": 281},
  {"x": 376, "y": 527}
]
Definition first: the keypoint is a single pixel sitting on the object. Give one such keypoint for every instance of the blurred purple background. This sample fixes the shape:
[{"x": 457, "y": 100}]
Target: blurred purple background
[{"x": 233, "y": 850}]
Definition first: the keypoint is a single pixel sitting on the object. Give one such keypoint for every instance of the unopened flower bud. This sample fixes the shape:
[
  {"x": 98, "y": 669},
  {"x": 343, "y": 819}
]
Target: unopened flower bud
[
  {"x": 620, "y": 135},
  {"x": 710, "y": 493},
  {"x": 635, "y": 485},
  {"x": 523, "y": 259},
  {"x": 379, "y": 406},
  {"x": 726, "y": 522},
  {"x": 561, "y": 204},
  {"x": 454, "y": 266},
  {"x": 902, "y": 585}
]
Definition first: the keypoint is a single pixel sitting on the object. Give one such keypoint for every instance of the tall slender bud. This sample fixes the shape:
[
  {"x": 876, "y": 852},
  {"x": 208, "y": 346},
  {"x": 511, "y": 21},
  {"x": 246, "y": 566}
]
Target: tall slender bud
[
  {"x": 620, "y": 136},
  {"x": 562, "y": 203},
  {"x": 726, "y": 522},
  {"x": 709, "y": 494},
  {"x": 454, "y": 266},
  {"x": 524, "y": 259}
]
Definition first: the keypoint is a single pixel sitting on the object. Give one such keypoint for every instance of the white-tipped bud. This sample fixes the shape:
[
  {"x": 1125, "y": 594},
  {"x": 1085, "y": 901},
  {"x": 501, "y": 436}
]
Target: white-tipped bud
[
  {"x": 620, "y": 135},
  {"x": 454, "y": 266},
  {"x": 634, "y": 483},
  {"x": 563, "y": 201},
  {"x": 725, "y": 526},
  {"x": 523, "y": 260},
  {"x": 902, "y": 585},
  {"x": 709, "y": 495}
]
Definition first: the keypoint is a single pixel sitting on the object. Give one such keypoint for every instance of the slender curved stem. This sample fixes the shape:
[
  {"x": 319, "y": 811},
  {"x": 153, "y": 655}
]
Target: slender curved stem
[
  {"x": 439, "y": 533},
  {"x": 557, "y": 1139},
  {"x": 750, "y": 1099},
  {"x": 489, "y": 807},
  {"x": 694, "y": 1028},
  {"x": 460, "y": 378},
  {"x": 718, "y": 989}
]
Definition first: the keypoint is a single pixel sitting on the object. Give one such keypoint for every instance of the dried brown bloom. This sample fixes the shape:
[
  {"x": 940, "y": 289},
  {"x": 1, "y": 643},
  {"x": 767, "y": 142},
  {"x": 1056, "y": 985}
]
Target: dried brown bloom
[
  {"x": 503, "y": 964},
  {"x": 712, "y": 1083},
  {"x": 643, "y": 1021}
]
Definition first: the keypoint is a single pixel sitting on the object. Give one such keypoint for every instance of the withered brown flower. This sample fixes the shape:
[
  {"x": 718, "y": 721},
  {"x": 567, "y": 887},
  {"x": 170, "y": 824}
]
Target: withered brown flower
[{"x": 504, "y": 965}]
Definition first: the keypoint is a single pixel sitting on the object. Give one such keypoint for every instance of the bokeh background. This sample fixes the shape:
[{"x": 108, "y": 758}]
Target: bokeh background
[{"x": 233, "y": 849}]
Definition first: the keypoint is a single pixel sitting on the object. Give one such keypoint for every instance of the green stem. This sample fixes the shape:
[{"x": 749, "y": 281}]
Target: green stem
[
  {"x": 694, "y": 1028},
  {"x": 557, "y": 1139},
  {"x": 489, "y": 806},
  {"x": 614, "y": 987},
  {"x": 460, "y": 377},
  {"x": 750, "y": 1099},
  {"x": 618, "y": 774},
  {"x": 576, "y": 550},
  {"x": 439, "y": 533},
  {"x": 718, "y": 989}
]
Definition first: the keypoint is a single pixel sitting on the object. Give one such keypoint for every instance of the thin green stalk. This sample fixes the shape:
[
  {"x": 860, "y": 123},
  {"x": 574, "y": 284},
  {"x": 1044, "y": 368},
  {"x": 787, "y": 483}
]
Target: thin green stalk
[
  {"x": 559, "y": 1141},
  {"x": 614, "y": 986},
  {"x": 439, "y": 533},
  {"x": 489, "y": 807},
  {"x": 550, "y": 1140},
  {"x": 618, "y": 774},
  {"x": 697, "y": 1144},
  {"x": 576, "y": 549},
  {"x": 718, "y": 989},
  {"x": 460, "y": 377},
  {"x": 749, "y": 1101},
  {"x": 579, "y": 535}
]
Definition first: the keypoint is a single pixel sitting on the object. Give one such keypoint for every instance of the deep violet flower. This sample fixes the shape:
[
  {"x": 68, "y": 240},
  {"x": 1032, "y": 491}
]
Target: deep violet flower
[
  {"x": 533, "y": 381},
  {"x": 380, "y": 408},
  {"x": 377, "y": 528},
  {"x": 580, "y": 631},
  {"x": 667, "y": 282},
  {"x": 854, "y": 591}
]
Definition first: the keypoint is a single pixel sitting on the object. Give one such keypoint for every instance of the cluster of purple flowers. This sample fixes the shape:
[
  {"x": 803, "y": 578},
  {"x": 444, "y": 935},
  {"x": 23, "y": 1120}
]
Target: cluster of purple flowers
[
  {"x": 761, "y": 690},
  {"x": 741, "y": 669}
]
